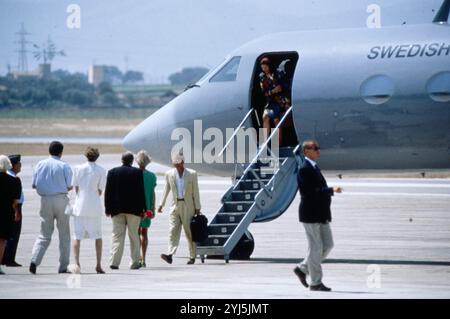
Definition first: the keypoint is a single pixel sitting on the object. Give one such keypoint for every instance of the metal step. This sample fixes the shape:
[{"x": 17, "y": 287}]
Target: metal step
[
  {"x": 222, "y": 229},
  {"x": 239, "y": 209},
  {"x": 228, "y": 217},
  {"x": 244, "y": 195},
  {"x": 215, "y": 240},
  {"x": 262, "y": 173},
  {"x": 269, "y": 162},
  {"x": 238, "y": 206},
  {"x": 252, "y": 184}
]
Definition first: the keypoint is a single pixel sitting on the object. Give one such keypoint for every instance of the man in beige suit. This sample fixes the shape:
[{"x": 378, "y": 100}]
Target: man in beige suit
[{"x": 182, "y": 183}]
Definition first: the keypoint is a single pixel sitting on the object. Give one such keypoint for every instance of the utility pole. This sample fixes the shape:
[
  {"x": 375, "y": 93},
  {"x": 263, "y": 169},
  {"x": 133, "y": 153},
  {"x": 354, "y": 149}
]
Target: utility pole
[{"x": 23, "y": 64}]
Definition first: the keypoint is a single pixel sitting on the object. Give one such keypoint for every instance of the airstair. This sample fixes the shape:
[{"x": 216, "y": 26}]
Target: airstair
[{"x": 264, "y": 191}]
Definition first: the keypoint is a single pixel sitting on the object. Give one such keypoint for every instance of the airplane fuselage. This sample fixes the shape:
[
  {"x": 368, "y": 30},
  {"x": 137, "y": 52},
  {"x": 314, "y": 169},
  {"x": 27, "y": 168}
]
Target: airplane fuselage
[{"x": 373, "y": 98}]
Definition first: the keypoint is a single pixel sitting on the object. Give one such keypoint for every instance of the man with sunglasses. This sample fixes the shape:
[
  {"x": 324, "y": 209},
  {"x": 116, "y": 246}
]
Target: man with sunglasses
[{"x": 315, "y": 214}]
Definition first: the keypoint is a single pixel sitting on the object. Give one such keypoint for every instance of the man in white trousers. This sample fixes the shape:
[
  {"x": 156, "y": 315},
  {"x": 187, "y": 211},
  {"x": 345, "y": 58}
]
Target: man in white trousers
[{"x": 52, "y": 179}]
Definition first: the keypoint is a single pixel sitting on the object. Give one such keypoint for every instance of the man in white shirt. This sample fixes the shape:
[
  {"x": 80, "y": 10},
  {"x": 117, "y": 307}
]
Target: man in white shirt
[
  {"x": 89, "y": 181},
  {"x": 183, "y": 184}
]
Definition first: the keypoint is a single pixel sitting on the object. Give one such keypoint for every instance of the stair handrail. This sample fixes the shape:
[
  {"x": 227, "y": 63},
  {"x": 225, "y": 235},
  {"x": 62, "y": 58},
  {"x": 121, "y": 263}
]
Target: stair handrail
[
  {"x": 296, "y": 149},
  {"x": 297, "y": 165},
  {"x": 271, "y": 185},
  {"x": 235, "y": 132},
  {"x": 266, "y": 142},
  {"x": 296, "y": 156}
]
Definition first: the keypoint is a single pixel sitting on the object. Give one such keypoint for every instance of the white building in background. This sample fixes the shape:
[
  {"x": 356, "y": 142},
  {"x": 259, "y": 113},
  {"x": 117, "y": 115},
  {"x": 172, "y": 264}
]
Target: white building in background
[{"x": 96, "y": 74}]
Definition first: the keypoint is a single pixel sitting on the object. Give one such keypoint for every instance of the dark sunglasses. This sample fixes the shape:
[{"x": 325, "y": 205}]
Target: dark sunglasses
[{"x": 315, "y": 148}]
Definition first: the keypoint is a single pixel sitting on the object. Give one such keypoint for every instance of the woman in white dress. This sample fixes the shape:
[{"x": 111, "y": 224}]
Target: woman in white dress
[{"x": 89, "y": 182}]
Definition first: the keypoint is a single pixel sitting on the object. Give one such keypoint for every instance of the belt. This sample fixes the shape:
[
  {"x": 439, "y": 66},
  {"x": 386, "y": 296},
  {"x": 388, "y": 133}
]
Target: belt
[{"x": 180, "y": 199}]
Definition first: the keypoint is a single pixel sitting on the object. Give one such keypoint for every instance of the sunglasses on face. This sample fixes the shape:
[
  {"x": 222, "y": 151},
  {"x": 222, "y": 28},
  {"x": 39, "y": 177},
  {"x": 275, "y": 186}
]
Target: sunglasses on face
[{"x": 315, "y": 148}]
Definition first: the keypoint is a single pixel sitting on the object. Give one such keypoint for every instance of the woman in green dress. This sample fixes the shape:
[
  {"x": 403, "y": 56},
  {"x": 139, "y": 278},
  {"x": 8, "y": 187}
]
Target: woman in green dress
[{"x": 143, "y": 159}]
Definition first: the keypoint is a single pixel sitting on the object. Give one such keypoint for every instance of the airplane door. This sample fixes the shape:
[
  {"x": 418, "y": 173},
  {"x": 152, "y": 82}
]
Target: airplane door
[{"x": 282, "y": 65}]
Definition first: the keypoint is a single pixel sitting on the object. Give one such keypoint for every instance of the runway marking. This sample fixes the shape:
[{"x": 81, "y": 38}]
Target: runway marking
[
  {"x": 407, "y": 185},
  {"x": 336, "y": 182},
  {"x": 394, "y": 194},
  {"x": 221, "y": 191},
  {"x": 203, "y": 182}
]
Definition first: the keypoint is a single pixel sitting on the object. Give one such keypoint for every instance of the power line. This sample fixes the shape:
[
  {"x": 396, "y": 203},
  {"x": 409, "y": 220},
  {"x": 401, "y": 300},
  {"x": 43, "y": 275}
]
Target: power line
[{"x": 23, "y": 63}]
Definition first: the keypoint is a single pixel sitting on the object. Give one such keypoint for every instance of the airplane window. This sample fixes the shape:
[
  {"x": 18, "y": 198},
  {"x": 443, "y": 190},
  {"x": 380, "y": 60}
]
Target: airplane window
[
  {"x": 438, "y": 87},
  {"x": 228, "y": 72},
  {"x": 377, "y": 89}
]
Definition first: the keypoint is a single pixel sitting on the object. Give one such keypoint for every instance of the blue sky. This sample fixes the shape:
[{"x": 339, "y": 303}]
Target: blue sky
[{"x": 160, "y": 37}]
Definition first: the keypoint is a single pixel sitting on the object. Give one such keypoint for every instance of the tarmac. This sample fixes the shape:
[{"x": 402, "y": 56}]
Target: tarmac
[{"x": 392, "y": 240}]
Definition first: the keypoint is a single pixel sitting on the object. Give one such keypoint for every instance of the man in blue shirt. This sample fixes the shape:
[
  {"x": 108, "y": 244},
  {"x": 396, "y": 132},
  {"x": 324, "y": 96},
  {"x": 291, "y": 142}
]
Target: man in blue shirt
[{"x": 52, "y": 179}]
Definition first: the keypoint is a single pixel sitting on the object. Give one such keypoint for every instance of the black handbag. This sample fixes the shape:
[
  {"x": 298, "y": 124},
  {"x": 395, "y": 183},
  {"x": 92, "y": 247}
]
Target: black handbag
[{"x": 199, "y": 228}]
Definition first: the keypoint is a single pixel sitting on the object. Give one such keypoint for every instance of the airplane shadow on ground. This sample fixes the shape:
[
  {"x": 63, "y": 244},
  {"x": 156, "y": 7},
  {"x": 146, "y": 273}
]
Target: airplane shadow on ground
[{"x": 357, "y": 261}]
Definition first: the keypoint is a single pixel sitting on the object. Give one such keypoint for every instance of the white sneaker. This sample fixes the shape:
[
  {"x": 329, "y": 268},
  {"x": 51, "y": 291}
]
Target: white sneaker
[{"x": 1, "y": 271}]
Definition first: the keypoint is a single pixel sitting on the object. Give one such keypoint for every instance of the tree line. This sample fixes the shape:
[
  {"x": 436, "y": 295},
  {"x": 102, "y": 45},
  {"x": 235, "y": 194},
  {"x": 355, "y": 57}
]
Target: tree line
[{"x": 63, "y": 88}]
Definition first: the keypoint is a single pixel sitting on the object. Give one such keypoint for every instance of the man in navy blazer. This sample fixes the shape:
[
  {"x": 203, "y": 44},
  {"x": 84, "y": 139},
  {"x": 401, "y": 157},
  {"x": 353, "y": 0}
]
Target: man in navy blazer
[
  {"x": 125, "y": 203},
  {"x": 315, "y": 214}
]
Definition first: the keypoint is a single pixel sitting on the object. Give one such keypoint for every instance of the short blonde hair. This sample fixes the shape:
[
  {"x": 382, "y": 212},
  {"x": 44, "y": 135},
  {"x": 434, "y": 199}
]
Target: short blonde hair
[
  {"x": 143, "y": 159},
  {"x": 5, "y": 163}
]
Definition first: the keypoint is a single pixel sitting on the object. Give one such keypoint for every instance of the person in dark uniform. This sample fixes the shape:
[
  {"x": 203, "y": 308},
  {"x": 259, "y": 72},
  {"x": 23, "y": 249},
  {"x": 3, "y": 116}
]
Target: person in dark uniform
[
  {"x": 10, "y": 190},
  {"x": 9, "y": 258},
  {"x": 315, "y": 214}
]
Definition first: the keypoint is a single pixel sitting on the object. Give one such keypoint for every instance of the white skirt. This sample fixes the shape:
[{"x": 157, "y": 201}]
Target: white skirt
[{"x": 87, "y": 227}]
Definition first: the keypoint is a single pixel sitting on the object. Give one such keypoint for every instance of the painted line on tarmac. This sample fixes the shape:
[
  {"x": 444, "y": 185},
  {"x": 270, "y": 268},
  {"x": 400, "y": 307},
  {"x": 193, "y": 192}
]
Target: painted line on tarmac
[
  {"x": 394, "y": 194},
  {"x": 405, "y": 185}
]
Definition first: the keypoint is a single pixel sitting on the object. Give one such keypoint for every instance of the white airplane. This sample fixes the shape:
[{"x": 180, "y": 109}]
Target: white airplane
[{"x": 372, "y": 98}]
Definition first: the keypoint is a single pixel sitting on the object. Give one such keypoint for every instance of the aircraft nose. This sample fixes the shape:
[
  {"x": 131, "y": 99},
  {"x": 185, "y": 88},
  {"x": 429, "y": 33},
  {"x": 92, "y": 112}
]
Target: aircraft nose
[
  {"x": 142, "y": 137},
  {"x": 131, "y": 141}
]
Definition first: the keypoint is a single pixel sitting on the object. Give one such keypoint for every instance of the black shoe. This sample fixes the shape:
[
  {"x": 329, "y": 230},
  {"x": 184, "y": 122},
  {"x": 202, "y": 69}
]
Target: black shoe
[
  {"x": 99, "y": 270},
  {"x": 64, "y": 271},
  {"x": 33, "y": 268},
  {"x": 166, "y": 258},
  {"x": 13, "y": 264},
  {"x": 191, "y": 261},
  {"x": 136, "y": 266},
  {"x": 301, "y": 276},
  {"x": 114, "y": 267},
  {"x": 319, "y": 287}
]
